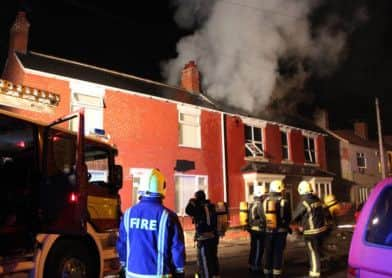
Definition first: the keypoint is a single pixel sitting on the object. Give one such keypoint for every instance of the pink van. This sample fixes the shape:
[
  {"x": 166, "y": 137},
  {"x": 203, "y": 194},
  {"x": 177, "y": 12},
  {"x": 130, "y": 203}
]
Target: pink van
[{"x": 371, "y": 245}]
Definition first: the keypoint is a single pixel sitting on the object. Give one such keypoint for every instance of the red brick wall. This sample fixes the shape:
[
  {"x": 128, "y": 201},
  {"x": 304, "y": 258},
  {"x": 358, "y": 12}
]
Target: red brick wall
[
  {"x": 273, "y": 143},
  {"x": 146, "y": 134},
  {"x": 235, "y": 161}
]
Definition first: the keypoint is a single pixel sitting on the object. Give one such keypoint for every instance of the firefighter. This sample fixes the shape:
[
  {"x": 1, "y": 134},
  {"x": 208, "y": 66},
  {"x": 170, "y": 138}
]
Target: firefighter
[
  {"x": 310, "y": 212},
  {"x": 204, "y": 217},
  {"x": 277, "y": 214},
  {"x": 151, "y": 239},
  {"x": 256, "y": 228}
]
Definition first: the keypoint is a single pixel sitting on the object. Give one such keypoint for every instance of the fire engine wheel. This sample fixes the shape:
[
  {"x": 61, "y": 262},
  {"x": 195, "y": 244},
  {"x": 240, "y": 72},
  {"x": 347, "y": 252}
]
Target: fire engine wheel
[{"x": 70, "y": 259}]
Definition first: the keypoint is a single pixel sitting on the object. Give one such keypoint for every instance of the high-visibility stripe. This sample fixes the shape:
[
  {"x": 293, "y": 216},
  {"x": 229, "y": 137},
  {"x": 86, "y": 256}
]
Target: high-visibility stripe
[
  {"x": 161, "y": 241},
  {"x": 282, "y": 205},
  {"x": 257, "y": 252},
  {"x": 208, "y": 217},
  {"x": 310, "y": 219},
  {"x": 315, "y": 231},
  {"x": 314, "y": 274},
  {"x": 204, "y": 261},
  {"x": 313, "y": 258},
  {"x": 136, "y": 275},
  {"x": 126, "y": 224},
  {"x": 276, "y": 271}
]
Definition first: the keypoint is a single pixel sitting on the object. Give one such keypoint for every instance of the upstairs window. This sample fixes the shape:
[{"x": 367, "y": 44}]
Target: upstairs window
[
  {"x": 310, "y": 152},
  {"x": 285, "y": 145},
  {"x": 253, "y": 141},
  {"x": 189, "y": 127},
  {"x": 93, "y": 111},
  {"x": 361, "y": 162}
]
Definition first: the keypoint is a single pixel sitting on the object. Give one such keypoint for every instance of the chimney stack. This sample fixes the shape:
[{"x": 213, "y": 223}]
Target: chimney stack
[
  {"x": 361, "y": 130},
  {"x": 321, "y": 119},
  {"x": 190, "y": 78},
  {"x": 19, "y": 34}
]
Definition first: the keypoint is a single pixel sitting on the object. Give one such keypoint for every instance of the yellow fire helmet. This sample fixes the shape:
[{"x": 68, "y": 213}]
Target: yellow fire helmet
[
  {"x": 154, "y": 185},
  {"x": 304, "y": 187},
  {"x": 277, "y": 186},
  {"x": 330, "y": 200},
  {"x": 259, "y": 190}
]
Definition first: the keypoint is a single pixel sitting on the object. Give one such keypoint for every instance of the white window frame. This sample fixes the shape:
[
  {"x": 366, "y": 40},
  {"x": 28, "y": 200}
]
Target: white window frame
[
  {"x": 308, "y": 137},
  {"x": 288, "y": 146},
  {"x": 138, "y": 175},
  {"x": 182, "y": 200},
  {"x": 321, "y": 186},
  {"x": 251, "y": 146},
  {"x": 362, "y": 155},
  {"x": 89, "y": 90},
  {"x": 252, "y": 179},
  {"x": 190, "y": 111}
]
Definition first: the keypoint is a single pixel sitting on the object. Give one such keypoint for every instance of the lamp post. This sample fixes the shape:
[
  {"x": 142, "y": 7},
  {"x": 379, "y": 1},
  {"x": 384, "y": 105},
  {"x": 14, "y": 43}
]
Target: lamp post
[{"x": 380, "y": 144}]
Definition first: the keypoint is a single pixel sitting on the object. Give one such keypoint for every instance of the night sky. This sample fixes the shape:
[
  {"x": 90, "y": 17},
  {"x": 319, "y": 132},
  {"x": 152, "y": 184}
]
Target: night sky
[{"x": 136, "y": 36}]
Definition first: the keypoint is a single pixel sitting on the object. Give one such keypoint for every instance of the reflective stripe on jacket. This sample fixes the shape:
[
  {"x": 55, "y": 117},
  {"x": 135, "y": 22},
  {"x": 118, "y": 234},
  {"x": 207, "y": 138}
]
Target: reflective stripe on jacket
[
  {"x": 311, "y": 213},
  {"x": 151, "y": 240}
]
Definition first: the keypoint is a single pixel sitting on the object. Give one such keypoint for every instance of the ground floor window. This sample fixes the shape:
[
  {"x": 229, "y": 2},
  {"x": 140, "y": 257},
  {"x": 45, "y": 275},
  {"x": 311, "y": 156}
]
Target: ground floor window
[
  {"x": 322, "y": 189},
  {"x": 254, "y": 179},
  {"x": 186, "y": 186},
  {"x": 138, "y": 175}
]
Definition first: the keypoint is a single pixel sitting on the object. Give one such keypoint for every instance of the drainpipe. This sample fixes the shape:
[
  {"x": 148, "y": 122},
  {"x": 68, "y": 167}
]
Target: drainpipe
[{"x": 224, "y": 161}]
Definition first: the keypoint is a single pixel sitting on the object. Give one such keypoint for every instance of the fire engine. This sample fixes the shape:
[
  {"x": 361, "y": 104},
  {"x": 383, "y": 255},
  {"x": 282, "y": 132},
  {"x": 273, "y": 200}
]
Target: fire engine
[{"x": 60, "y": 206}]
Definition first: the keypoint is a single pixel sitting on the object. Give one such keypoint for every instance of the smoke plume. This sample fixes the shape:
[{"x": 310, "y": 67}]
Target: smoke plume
[{"x": 254, "y": 52}]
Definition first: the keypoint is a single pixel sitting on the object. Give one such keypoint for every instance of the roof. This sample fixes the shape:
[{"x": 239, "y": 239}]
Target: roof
[
  {"x": 71, "y": 69},
  {"x": 354, "y": 139},
  {"x": 285, "y": 169},
  {"x": 49, "y": 64}
]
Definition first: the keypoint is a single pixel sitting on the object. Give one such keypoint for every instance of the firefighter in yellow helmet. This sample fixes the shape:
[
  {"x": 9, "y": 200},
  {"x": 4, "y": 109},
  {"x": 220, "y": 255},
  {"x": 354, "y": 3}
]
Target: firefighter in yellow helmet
[
  {"x": 310, "y": 213},
  {"x": 256, "y": 228},
  {"x": 151, "y": 239},
  {"x": 277, "y": 213}
]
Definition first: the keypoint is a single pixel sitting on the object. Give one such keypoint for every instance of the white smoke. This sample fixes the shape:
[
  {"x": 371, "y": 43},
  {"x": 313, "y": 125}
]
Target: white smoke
[{"x": 237, "y": 45}]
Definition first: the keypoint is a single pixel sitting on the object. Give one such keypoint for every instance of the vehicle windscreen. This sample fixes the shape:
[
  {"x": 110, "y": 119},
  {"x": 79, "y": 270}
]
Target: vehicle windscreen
[
  {"x": 97, "y": 161},
  {"x": 379, "y": 227}
]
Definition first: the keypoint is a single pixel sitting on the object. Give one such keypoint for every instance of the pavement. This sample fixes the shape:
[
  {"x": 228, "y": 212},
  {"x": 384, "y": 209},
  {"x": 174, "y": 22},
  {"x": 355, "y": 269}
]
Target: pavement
[{"x": 234, "y": 249}]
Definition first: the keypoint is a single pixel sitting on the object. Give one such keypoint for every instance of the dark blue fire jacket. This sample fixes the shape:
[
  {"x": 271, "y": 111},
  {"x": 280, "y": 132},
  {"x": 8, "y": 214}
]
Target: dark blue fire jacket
[{"x": 151, "y": 240}]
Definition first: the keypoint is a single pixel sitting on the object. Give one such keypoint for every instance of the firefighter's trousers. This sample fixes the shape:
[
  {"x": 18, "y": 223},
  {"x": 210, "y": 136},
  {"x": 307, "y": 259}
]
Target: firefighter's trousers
[
  {"x": 274, "y": 247},
  {"x": 207, "y": 257},
  {"x": 313, "y": 246},
  {"x": 256, "y": 250}
]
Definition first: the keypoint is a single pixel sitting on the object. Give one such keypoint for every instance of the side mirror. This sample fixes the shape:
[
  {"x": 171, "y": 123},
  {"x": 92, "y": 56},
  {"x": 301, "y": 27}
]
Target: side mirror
[{"x": 118, "y": 176}]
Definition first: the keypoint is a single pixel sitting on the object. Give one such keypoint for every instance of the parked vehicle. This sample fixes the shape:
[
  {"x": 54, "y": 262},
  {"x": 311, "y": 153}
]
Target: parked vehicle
[
  {"x": 371, "y": 245},
  {"x": 59, "y": 201}
]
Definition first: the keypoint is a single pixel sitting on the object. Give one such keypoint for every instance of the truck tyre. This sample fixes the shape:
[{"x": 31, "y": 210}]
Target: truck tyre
[{"x": 71, "y": 259}]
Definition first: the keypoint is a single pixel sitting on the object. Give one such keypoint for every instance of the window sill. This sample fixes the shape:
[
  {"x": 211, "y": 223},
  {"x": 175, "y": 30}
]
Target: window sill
[
  {"x": 260, "y": 159},
  {"x": 311, "y": 164},
  {"x": 286, "y": 161},
  {"x": 189, "y": 147}
]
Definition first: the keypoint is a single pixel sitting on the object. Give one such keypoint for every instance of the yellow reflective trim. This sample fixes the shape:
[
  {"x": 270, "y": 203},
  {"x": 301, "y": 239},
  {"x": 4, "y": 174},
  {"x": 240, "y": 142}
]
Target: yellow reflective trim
[
  {"x": 313, "y": 258},
  {"x": 315, "y": 231},
  {"x": 102, "y": 207},
  {"x": 310, "y": 219}
]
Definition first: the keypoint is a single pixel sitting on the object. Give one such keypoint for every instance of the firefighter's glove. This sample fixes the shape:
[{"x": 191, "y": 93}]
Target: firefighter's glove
[
  {"x": 179, "y": 275},
  {"x": 121, "y": 274}
]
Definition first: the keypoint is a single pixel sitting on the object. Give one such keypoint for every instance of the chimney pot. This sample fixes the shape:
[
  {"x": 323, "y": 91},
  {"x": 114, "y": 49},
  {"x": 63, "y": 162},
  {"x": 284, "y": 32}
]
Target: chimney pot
[
  {"x": 19, "y": 34},
  {"x": 190, "y": 77},
  {"x": 361, "y": 130}
]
